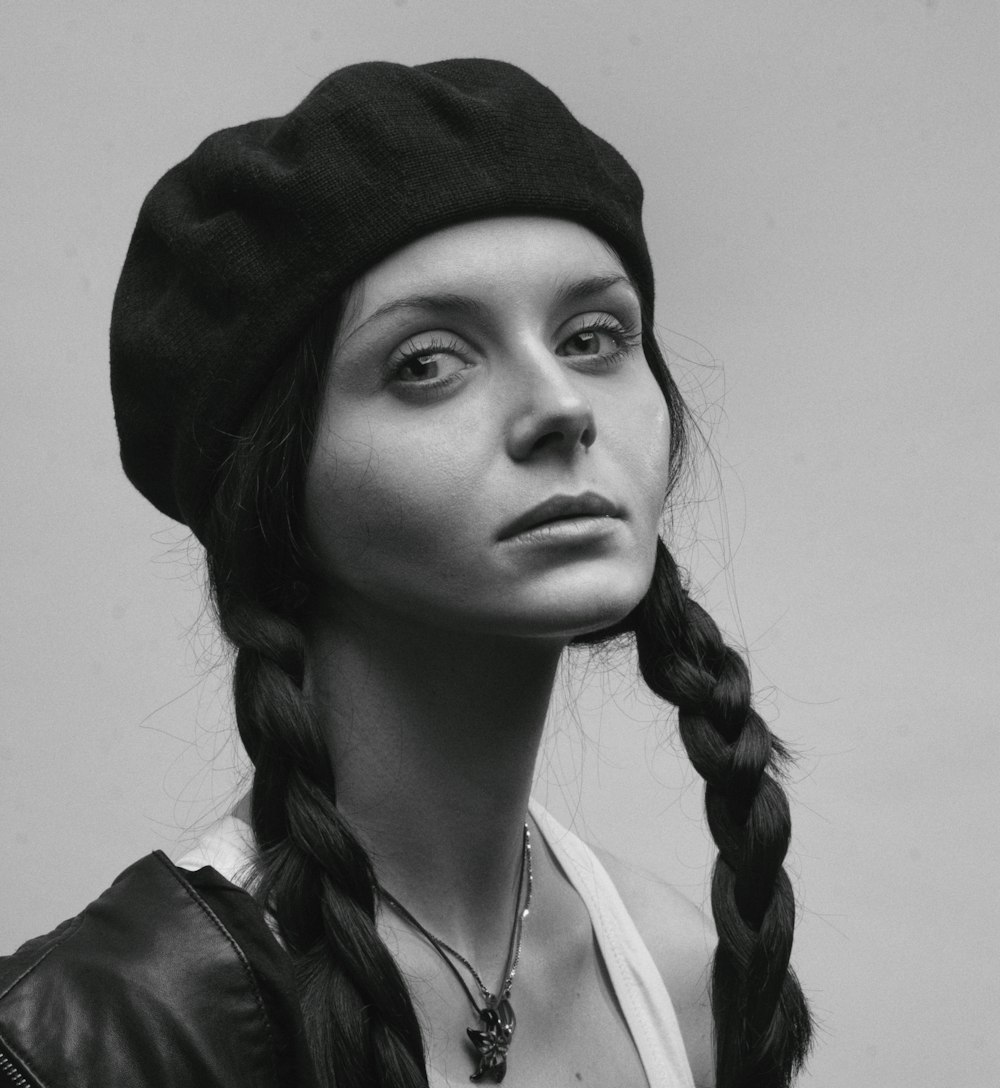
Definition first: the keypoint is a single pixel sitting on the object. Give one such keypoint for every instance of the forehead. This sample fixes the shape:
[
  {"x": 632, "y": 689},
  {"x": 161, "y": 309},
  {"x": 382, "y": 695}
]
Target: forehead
[{"x": 500, "y": 258}]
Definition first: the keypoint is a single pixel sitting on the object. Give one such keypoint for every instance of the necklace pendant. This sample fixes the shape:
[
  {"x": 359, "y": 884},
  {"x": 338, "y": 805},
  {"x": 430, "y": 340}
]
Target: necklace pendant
[{"x": 493, "y": 1040}]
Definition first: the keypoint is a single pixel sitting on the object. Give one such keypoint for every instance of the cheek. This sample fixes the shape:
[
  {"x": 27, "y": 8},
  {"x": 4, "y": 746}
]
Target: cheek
[
  {"x": 380, "y": 502},
  {"x": 644, "y": 443}
]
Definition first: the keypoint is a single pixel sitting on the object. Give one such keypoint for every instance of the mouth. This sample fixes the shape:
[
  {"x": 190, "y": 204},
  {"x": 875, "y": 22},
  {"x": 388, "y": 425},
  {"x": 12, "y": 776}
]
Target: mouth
[{"x": 561, "y": 508}]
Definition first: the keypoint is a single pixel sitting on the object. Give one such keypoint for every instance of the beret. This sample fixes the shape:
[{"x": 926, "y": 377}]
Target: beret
[{"x": 239, "y": 247}]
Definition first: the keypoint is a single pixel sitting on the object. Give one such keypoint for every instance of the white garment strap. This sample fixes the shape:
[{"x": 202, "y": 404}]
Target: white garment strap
[
  {"x": 228, "y": 847},
  {"x": 636, "y": 981}
]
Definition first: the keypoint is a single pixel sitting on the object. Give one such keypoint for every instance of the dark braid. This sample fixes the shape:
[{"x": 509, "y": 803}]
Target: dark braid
[
  {"x": 761, "y": 1021},
  {"x": 313, "y": 875},
  {"x": 762, "y": 1025}
]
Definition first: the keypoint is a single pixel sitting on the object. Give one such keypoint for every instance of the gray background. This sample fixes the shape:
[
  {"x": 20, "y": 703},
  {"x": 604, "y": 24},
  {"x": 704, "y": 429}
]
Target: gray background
[{"x": 822, "y": 209}]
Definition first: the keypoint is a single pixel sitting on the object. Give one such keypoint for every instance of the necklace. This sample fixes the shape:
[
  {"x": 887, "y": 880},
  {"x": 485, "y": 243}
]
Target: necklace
[{"x": 496, "y": 1016}]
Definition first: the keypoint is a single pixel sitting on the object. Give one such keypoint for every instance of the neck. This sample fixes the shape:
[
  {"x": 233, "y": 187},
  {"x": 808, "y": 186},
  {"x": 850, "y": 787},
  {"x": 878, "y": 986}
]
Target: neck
[{"x": 433, "y": 738}]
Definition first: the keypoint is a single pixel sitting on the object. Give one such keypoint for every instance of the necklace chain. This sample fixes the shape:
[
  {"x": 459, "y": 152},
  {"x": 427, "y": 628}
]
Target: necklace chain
[{"x": 448, "y": 954}]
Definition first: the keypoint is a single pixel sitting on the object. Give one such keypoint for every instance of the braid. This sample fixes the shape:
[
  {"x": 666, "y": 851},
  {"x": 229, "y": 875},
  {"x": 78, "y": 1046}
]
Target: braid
[
  {"x": 761, "y": 1020},
  {"x": 313, "y": 876},
  {"x": 762, "y": 1024}
]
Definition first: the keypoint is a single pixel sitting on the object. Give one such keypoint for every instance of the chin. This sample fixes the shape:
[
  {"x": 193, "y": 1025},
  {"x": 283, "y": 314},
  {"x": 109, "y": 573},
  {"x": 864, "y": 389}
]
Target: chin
[{"x": 582, "y": 606}]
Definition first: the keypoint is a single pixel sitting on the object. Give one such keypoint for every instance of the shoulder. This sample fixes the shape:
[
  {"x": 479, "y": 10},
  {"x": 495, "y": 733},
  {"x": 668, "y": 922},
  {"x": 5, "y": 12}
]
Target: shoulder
[
  {"x": 166, "y": 978},
  {"x": 681, "y": 939}
]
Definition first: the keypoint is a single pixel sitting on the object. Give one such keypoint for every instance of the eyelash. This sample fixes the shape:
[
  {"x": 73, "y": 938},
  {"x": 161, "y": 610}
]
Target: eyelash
[{"x": 626, "y": 338}]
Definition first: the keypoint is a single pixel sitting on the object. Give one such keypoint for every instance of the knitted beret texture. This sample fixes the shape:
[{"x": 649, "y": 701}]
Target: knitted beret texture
[{"x": 241, "y": 245}]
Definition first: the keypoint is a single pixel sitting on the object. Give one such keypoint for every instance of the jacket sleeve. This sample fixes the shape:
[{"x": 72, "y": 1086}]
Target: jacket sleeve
[{"x": 168, "y": 979}]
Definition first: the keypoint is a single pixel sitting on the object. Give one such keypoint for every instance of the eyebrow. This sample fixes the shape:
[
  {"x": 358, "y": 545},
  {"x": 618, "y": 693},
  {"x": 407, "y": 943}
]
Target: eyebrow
[
  {"x": 466, "y": 306},
  {"x": 580, "y": 290}
]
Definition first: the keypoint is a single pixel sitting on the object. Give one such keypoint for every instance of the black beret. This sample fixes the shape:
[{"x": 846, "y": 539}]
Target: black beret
[{"x": 239, "y": 247}]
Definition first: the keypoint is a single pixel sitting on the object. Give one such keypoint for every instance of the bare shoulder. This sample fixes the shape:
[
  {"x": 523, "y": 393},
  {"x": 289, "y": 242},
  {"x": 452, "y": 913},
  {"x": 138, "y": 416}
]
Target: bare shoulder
[{"x": 681, "y": 939}]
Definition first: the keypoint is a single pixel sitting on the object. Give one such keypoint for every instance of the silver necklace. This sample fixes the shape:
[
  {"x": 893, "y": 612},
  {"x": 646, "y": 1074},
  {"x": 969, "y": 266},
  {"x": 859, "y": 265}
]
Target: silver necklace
[{"x": 493, "y": 1038}]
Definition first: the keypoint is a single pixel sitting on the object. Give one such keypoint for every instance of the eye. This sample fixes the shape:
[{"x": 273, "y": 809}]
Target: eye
[
  {"x": 600, "y": 336},
  {"x": 591, "y": 342},
  {"x": 427, "y": 364}
]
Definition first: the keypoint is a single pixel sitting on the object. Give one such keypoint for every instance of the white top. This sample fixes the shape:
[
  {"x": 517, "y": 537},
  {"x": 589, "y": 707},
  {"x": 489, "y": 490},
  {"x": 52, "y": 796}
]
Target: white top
[{"x": 228, "y": 848}]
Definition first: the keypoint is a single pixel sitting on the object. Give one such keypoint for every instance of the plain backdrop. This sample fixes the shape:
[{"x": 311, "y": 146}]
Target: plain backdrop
[{"x": 822, "y": 209}]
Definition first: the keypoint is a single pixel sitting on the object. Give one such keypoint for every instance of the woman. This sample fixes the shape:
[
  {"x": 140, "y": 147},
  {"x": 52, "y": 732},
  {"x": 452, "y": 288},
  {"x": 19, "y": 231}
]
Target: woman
[{"x": 391, "y": 358}]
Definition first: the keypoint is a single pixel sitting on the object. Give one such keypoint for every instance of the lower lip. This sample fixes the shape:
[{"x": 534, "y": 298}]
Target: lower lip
[{"x": 567, "y": 531}]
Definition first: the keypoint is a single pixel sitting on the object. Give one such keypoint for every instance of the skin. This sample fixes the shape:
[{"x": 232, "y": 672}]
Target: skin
[{"x": 478, "y": 371}]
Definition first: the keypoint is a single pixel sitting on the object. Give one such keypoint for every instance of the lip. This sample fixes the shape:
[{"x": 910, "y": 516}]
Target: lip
[{"x": 560, "y": 508}]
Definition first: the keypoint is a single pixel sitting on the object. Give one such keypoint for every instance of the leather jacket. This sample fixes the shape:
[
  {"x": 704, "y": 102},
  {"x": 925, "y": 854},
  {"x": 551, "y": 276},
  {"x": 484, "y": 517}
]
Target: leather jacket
[{"x": 170, "y": 978}]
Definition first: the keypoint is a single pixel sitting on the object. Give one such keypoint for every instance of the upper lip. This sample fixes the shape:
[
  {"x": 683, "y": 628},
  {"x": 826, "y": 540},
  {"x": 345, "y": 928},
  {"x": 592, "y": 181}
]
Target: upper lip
[{"x": 587, "y": 505}]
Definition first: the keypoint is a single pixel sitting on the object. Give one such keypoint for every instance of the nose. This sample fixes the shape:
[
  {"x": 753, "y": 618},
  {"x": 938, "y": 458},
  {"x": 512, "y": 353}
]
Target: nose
[{"x": 550, "y": 411}]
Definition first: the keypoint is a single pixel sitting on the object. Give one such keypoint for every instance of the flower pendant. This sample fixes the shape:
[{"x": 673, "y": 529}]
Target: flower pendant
[{"x": 493, "y": 1041}]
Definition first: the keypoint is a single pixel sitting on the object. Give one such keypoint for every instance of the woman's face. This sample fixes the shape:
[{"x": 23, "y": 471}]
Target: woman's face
[{"x": 478, "y": 373}]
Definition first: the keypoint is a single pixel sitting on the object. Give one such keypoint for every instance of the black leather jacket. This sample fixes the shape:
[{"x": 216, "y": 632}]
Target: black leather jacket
[{"x": 168, "y": 979}]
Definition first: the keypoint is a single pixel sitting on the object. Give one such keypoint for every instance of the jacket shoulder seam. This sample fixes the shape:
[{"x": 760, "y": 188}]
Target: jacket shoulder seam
[
  {"x": 70, "y": 928},
  {"x": 162, "y": 858}
]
